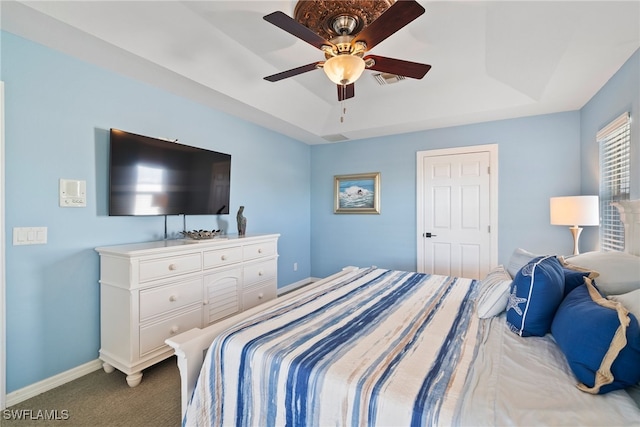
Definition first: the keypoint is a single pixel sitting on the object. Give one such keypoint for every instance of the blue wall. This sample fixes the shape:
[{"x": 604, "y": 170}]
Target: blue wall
[
  {"x": 538, "y": 159},
  {"x": 620, "y": 94},
  {"x": 59, "y": 110},
  {"x": 58, "y": 113}
]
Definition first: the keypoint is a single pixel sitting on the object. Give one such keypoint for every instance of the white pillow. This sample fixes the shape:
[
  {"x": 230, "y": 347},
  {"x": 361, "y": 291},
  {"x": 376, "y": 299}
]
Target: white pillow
[
  {"x": 519, "y": 258},
  {"x": 494, "y": 293},
  {"x": 630, "y": 301},
  {"x": 619, "y": 271}
]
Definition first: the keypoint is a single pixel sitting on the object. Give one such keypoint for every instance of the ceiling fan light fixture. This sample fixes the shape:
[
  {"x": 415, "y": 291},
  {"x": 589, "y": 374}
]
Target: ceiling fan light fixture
[{"x": 344, "y": 69}]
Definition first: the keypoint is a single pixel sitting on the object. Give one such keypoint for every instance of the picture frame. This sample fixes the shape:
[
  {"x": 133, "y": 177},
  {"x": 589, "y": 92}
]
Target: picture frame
[{"x": 357, "y": 193}]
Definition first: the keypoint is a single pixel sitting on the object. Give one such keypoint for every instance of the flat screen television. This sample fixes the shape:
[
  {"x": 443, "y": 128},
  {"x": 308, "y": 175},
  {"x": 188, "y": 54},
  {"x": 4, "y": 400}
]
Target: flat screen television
[{"x": 151, "y": 176}]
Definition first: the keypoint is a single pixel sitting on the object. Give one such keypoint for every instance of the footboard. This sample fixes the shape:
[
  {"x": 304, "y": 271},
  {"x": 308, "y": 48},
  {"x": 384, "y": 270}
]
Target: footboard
[{"x": 190, "y": 346}]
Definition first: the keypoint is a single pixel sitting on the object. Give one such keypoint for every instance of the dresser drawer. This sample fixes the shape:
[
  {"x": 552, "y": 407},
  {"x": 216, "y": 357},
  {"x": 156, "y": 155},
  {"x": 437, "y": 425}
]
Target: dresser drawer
[
  {"x": 220, "y": 257},
  {"x": 152, "y": 336},
  {"x": 259, "y": 250},
  {"x": 256, "y": 296},
  {"x": 170, "y": 266},
  {"x": 164, "y": 299},
  {"x": 259, "y": 271}
]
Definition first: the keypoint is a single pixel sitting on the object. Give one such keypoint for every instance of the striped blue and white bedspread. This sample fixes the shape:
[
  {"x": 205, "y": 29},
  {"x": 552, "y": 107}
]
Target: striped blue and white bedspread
[{"x": 377, "y": 347}]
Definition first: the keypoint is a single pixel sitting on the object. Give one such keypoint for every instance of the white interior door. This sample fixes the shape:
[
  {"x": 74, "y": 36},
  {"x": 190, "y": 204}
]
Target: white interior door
[{"x": 455, "y": 215}]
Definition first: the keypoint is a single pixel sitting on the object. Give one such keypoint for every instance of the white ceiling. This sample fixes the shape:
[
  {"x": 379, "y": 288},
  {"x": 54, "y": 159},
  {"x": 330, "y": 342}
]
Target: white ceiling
[{"x": 491, "y": 60}]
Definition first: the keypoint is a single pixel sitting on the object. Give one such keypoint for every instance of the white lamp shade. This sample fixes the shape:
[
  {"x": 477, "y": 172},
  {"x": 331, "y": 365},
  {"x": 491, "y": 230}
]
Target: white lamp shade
[
  {"x": 575, "y": 210},
  {"x": 344, "y": 69}
]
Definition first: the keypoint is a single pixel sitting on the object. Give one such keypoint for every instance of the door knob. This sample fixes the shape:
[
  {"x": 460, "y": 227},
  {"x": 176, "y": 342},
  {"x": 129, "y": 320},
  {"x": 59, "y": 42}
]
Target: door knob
[{"x": 429, "y": 235}]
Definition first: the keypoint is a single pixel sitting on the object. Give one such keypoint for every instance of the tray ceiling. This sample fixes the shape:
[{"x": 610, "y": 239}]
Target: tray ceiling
[{"x": 491, "y": 60}]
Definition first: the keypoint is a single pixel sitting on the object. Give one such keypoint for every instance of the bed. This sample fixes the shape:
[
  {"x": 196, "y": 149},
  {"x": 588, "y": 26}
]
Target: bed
[{"x": 371, "y": 346}]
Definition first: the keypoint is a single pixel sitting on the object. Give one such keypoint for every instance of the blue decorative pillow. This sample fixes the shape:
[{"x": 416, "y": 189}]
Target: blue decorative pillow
[
  {"x": 536, "y": 293},
  {"x": 573, "y": 279},
  {"x": 601, "y": 342},
  {"x": 574, "y": 275}
]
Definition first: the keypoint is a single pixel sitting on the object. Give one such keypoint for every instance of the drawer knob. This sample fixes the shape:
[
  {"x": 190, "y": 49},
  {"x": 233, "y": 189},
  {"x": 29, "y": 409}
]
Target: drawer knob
[
  {"x": 174, "y": 330},
  {"x": 223, "y": 257},
  {"x": 260, "y": 273},
  {"x": 173, "y": 298},
  {"x": 172, "y": 267},
  {"x": 260, "y": 295},
  {"x": 260, "y": 250}
]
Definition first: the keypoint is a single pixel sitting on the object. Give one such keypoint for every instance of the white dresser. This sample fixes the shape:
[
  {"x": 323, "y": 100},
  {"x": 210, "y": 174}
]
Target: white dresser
[{"x": 152, "y": 291}]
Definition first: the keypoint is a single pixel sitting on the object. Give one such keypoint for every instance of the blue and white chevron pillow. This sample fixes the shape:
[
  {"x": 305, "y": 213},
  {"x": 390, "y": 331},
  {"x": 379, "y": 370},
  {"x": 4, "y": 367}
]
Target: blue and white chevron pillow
[{"x": 494, "y": 293}]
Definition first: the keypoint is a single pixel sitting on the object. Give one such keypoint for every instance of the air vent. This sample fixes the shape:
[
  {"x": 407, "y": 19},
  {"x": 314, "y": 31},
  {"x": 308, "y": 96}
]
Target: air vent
[
  {"x": 335, "y": 138},
  {"x": 387, "y": 78}
]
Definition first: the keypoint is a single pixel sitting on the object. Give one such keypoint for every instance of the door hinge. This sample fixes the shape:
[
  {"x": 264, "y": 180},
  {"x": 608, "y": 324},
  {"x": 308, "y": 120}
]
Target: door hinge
[
  {"x": 489, "y": 170},
  {"x": 488, "y": 229}
]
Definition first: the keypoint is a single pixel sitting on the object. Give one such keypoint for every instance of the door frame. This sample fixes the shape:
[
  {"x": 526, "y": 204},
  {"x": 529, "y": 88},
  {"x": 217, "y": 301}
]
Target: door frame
[
  {"x": 3, "y": 338},
  {"x": 493, "y": 196}
]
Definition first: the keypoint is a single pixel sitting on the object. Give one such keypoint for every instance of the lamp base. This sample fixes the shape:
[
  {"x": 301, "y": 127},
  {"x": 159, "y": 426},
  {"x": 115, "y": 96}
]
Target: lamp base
[{"x": 575, "y": 231}]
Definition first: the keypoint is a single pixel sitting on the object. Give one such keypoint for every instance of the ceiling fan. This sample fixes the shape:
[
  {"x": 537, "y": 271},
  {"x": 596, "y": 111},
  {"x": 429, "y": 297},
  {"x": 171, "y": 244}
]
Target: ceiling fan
[{"x": 344, "y": 53}]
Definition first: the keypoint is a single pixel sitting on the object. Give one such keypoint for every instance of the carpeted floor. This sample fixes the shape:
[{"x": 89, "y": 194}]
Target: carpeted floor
[{"x": 101, "y": 399}]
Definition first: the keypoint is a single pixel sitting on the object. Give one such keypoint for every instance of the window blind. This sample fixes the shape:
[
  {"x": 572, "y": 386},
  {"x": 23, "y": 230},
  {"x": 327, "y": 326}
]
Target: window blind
[{"x": 614, "y": 141}]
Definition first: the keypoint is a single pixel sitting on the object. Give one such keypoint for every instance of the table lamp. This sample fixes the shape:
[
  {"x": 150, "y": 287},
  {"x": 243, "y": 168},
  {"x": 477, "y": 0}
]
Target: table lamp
[{"x": 575, "y": 211}]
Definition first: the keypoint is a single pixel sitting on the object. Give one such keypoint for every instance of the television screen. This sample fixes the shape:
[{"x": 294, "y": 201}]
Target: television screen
[{"x": 150, "y": 176}]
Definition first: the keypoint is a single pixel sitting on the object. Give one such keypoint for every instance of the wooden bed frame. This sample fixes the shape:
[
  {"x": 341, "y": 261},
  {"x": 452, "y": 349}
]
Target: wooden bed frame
[{"x": 190, "y": 346}]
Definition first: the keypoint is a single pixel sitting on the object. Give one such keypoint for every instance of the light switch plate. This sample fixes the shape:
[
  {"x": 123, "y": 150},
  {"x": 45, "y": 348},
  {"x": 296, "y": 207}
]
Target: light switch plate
[{"x": 29, "y": 235}]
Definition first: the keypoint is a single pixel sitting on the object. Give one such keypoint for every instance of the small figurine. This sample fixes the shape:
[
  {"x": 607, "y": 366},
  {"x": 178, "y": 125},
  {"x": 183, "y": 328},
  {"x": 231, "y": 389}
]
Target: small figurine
[{"x": 242, "y": 221}]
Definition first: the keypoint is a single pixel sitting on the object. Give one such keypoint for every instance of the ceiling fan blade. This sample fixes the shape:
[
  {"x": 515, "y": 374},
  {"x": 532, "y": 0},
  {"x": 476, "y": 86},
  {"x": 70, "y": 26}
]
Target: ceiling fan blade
[
  {"x": 346, "y": 92},
  {"x": 291, "y": 26},
  {"x": 293, "y": 72},
  {"x": 415, "y": 70},
  {"x": 397, "y": 16}
]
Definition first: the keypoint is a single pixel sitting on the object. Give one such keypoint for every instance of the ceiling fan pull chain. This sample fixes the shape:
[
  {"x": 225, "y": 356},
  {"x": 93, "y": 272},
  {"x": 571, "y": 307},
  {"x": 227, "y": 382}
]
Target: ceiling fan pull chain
[{"x": 342, "y": 89}]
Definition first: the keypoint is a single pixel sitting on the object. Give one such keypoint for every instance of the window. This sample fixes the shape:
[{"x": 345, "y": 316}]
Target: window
[{"x": 614, "y": 141}]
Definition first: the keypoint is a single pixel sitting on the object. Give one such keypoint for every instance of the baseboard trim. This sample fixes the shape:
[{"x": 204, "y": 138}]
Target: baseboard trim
[
  {"x": 293, "y": 286},
  {"x": 50, "y": 383}
]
